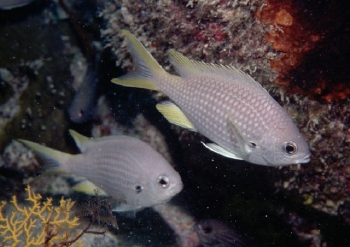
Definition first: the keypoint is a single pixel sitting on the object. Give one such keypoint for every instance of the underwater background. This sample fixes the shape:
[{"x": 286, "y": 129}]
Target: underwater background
[{"x": 298, "y": 51}]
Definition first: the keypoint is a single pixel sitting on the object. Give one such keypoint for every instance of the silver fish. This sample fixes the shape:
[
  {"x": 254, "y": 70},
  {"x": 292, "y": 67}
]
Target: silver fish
[
  {"x": 118, "y": 166},
  {"x": 214, "y": 233},
  {"x": 222, "y": 103}
]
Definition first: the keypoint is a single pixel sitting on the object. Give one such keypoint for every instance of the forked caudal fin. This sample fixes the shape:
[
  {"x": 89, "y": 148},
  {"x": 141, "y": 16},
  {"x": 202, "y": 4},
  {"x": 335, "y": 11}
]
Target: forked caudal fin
[
  {"x": 146, "y": 67},
  {"x": 55, "y": 161}
]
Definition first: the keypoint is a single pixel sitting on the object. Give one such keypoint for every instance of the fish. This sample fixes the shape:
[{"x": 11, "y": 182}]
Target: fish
[
  {"x": 214, "y": 233},
  {"x": 82, "y": 106},
  {"x": 118, "y": 166},
  {"x": 83, "y": 102},
  {"x": 224, "y": 104},
  {"x": 10, "y": 4}
]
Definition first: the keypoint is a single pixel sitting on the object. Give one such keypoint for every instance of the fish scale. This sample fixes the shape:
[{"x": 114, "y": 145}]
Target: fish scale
[
  {"x": 222, "y": 103},
  {"x": 119, "y": 166},
  {"x": 125, "y": 173},
  {"x": 218, "y": 108}
]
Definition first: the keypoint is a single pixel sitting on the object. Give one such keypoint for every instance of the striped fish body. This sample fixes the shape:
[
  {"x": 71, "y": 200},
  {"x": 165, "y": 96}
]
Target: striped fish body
[
  {"x": 120, "y": 166},
  {"x": 224, "y": 104},
  {"x": 128, "y": 168},
  {"x": 211, "y": 102}
]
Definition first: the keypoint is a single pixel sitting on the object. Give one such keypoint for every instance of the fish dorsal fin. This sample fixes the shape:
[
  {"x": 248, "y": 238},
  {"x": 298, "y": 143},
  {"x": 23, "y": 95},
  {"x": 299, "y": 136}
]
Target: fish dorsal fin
[
  {"x": 174, "y": 115},
  {"x": 187, "y": 67},
  {"x": 82, "y": 142},
  {"x": 89, "y": 188}
]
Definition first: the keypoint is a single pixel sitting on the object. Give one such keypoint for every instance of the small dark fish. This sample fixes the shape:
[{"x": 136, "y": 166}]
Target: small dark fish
[
  {"x": 83, "y": 102},
  {"x": 214, "y": 233}
]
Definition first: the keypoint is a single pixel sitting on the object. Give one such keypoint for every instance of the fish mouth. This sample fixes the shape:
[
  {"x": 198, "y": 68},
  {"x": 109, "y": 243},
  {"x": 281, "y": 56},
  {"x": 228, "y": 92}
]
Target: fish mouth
[
  {"x": 305, "y": 159},
  {"x": 173, "y": 191},
  {"x": 177, "y": 188}
]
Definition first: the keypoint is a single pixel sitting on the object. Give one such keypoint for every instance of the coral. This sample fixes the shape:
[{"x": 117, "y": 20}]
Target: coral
[
  {"x": 78, "y": 68},
  {"x": 99, "y": 208},
  {"x": 325, "y": 183},
  {"x": 212, "y": 31},
  {"x": 16, "y": 156},
  {"x": 11, "y": 107},
  {"x": 39, "y": 85},
  {"x": 181, "y": 223},
  {"x": 40, "y": 224},
  {"x": 287, "y": 35},
  {"x": 309, "y": 35},
  {"x": 305, "y": 232}
]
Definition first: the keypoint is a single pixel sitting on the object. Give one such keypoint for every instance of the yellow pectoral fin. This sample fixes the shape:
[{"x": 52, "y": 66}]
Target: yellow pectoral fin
[{"x": 174, "y": 115}]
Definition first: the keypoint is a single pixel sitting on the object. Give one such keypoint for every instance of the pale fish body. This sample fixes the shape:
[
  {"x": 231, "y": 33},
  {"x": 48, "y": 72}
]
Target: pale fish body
[
  {"x": 222, "y": 103},
  {"x": 120, "y": 166}
]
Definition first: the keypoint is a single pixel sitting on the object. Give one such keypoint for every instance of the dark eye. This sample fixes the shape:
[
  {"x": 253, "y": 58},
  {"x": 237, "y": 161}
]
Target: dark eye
[
  {"x": 163, "y": 181},
  {"x": 253, "y": 144},
  {"x": 290, "y": 147},
  {"x": 138, "y": 189},
  {"x": 207, "y": 229}
]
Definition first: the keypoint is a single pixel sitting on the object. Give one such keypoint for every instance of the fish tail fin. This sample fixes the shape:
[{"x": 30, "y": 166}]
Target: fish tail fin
[
  {"x": 146, "y": 67},
  {"x": 54, "y": 161}
]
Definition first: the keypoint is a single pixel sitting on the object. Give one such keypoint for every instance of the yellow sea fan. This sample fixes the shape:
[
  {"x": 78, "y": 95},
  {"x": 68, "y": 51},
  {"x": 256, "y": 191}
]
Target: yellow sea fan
[{"x": 39, "y": 224}]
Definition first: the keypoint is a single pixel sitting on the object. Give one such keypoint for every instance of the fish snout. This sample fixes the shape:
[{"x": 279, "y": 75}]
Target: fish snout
[
  {"x": 305, "y": 159},
  {"x": 177, "y": 188},
  {"x": 170, "y": 193}
]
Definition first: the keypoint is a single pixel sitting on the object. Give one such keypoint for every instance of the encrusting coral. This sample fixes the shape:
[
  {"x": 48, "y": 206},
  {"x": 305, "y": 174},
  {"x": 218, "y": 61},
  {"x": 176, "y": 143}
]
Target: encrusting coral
[{"x": 40, "y": 224}]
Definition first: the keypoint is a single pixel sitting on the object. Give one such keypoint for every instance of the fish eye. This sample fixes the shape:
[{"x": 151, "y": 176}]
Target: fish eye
[
  {"x": 81, "y": 113},
  {"x": 207, "y": 229},
  {"x": 290, "y": 147},
  {"x": 138, "y": 189},
  {"x": 163, "y": 181},
  {"x": 253, "y": 144}
]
